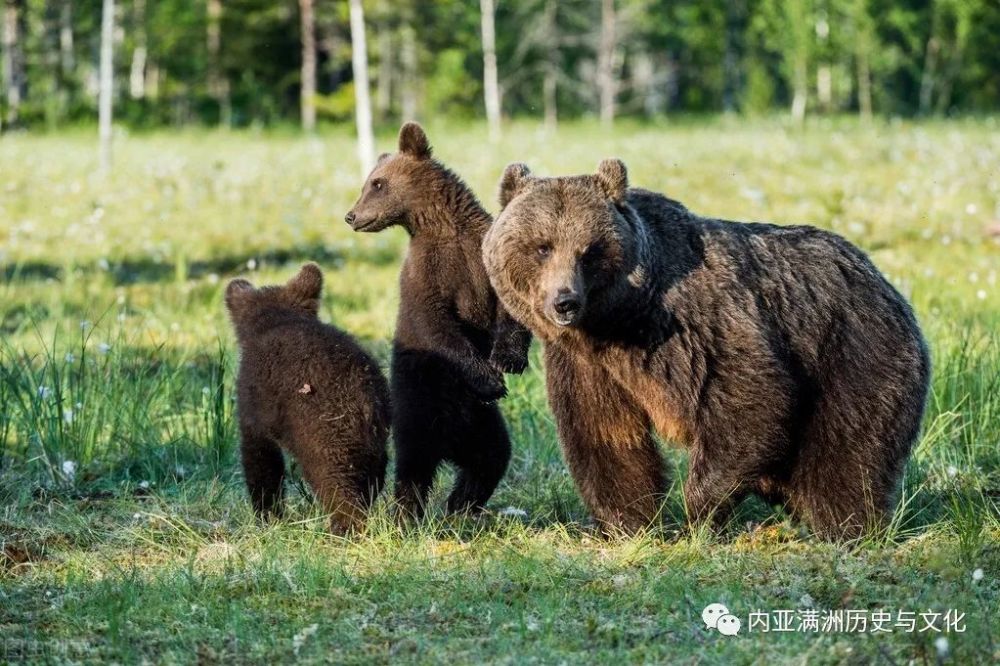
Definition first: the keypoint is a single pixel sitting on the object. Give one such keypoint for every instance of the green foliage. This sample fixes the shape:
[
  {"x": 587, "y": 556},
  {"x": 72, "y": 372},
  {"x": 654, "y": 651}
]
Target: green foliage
[{"x": 921, "y": 57}]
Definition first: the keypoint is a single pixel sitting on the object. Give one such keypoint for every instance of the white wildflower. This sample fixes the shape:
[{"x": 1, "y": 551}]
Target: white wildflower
[
  {"x": 104, "y": 347},
  {"x": 807, "y": 601},
  {"x": 971, "y": 208},
  {"x": 144, "y": 485},
  {"x": 213, "y": 278},
  {"x": 180, "y": 471},
  {"x": 977, "y": 575},
  {"x": 84, "y": 325},
  {"x": 205, "y": 390},
  {"x": 251, "y": 264},
  {"x": 103, "y": 264},
  {"x": 513, "y": 512},
  {"x": 981, "y": 294},
  {"x": 941, "y": 645},
  {"x": 532, "y": 624},
  {"x": 619, "y": 581},
  {"x": 70, "y": 358},
  {"x": 299, "y": 639},
  {"x": 69, "y": 470},
  {"x": 952, "y": 471},
  {"x": 68, "y": 415},
  {"x": 44, "y": 392}
]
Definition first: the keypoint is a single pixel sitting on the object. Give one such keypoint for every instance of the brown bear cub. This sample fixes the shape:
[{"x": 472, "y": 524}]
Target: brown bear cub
[
  {"x": 453, "y": 342},
  {"x": 780, "y": 356},
  {"x": 310, "y": 389}
]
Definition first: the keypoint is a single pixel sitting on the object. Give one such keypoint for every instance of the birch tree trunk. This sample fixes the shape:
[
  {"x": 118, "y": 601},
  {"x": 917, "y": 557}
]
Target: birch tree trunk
[
  {"x": 67, "y": 59},
  {"x": 550, "y": 80},
  {"x": 308, "y": 90},
  {"x": 408, "y": 60},
  {"x": 383, "y": 86},
  {"x": 13, "y": 61},
  {"x": 137, "y": 72},
  {"x": 106, "y": 88},
  {"x": 362, "y": 100},
  {"x": 605, "y": 62},
  {"x": 491, "y": 85},
  {"x": 218, "y": 85}
]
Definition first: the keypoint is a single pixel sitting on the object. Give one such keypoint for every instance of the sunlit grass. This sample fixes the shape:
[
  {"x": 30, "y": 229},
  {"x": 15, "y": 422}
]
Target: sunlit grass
[{"x": 124, "y": 527}]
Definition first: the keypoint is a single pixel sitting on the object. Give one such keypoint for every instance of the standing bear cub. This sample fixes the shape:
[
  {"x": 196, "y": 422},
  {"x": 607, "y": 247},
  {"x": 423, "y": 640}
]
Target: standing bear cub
[
  {"x": 311, "y": 389},
  {"x": 453, "y": 342},
  {"x": 779, "y": 356}
]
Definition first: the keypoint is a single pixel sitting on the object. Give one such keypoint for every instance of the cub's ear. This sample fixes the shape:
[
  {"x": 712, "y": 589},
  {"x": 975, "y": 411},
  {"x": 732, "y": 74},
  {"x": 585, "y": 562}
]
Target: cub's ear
[
  {"x": 413, "y": 141},
  {"x": 612, "y": 177},
  {"x": 308, "y": 283},
  {"x": 382, "y": 158},
  {"x": 237, "y": 293},
  {"x": 514, "y": 178}
]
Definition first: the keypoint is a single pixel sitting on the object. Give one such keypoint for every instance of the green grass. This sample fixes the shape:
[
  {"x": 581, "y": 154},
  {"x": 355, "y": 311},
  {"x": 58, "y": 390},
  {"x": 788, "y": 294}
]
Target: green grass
[{"x": 124, "y": 527}]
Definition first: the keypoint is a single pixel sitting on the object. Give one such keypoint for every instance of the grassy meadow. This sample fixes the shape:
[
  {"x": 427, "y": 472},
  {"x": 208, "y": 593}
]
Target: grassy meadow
[{"x": 125, "y": 532}]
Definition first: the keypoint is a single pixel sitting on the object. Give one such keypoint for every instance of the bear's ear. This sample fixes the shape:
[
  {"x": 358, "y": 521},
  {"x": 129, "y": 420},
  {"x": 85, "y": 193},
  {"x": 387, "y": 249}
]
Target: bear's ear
[
  {"x": 413, "y": 141},
  {"x": 308, "y": 283},
  {"x": 514, "y": 178},
  {"x": 612, "y": 176},
  {"x": 382, "y": 158},
  {"x": 237, "y": 293}
]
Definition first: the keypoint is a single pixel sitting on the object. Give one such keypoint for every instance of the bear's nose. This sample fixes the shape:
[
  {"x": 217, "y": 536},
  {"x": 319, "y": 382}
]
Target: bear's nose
[
  {"x": 349, "y": 218},
  {"x": 566, "y": 304}
]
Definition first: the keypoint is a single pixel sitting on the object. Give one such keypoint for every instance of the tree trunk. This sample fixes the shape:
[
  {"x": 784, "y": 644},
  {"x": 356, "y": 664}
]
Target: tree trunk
[
  {"x": 491, "y": 86},
  {"x": 408, "y": 60},
  {"x": 801, "y": 91},
  {"x": 927, "y": 78},
  {"x": 731, "y": 56},
  {"x": 67, "y": 59},
  {"x": 362, "y": 101},
  {"x": 550, "y": 78},
  {"x": 137, "y": 72},
  {"x": 106, "y": 89},
  {"x": 864, "y": 87},
  {"x": 605, "y": 62},
  {"x": 308, "y": 89},
  {"x": 383, "y": 88},
  {"x": 218, "y": 84},
  {"x": 13, "y": 58}
]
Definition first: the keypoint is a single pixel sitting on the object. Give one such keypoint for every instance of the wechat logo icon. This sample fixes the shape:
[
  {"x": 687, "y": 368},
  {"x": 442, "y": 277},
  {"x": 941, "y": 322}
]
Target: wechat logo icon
[{"x": 717, "y": 616}]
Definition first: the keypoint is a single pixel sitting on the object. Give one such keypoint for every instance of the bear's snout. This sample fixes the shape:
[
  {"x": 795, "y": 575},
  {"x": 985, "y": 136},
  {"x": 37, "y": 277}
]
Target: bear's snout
[
  {"x": 350, "y": 217},
  {"x": 565, "y": 307}
]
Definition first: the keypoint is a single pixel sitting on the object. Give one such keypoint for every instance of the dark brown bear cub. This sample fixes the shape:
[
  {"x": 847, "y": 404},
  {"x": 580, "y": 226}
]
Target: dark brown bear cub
[
  {"x": 452, "y": 340},
  {"x": 779, "y": 356},
  {"x": 310, "y": 389}
]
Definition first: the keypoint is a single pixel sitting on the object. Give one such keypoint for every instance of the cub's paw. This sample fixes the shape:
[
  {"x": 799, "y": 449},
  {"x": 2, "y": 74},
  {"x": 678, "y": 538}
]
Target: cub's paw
[
  {"x": 510, "y": 361},
  {"x": 490, "y": 387}
]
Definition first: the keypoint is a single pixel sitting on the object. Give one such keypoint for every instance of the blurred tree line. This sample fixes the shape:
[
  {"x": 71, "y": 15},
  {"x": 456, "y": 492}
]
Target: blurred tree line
[{"x": 245, "y": 62}]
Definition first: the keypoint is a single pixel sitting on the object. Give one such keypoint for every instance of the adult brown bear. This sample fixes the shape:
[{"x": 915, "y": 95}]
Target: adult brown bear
[{"x": 778, "y": 355}]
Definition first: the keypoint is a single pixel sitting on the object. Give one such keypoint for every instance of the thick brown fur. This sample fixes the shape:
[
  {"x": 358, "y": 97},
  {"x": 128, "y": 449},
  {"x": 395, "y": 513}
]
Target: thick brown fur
[
  {"x": 310, "y": 389},
  {"x": 778, "y": 355},
  {"x": 453, "y": 341}
]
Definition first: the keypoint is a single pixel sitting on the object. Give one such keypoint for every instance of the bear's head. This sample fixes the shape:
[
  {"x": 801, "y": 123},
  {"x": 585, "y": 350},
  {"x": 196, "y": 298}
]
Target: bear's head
[
  {"x": 563, "y": 251},
  {"x": 397, "y": 186},
  {"x": 253, "y": 310}
]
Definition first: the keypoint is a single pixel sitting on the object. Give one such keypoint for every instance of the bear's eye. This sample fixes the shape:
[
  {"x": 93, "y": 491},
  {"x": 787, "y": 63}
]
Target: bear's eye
[
  {"x": 544, "y": 251},
  {"x": 593, "y": 254},
  {"x": 378, "y": 184}
]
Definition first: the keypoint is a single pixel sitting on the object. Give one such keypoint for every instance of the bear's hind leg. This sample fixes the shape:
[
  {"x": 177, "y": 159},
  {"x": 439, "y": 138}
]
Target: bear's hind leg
[
  {"x": 263, "y": 471},
  {"x": 482, "y": 468}
]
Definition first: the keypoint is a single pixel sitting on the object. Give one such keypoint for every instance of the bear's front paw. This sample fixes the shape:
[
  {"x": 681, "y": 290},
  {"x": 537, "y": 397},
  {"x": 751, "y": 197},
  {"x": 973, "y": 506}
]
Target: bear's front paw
[
  {"x": 490, "y": 387},
  {"x": 510, "y": 361}
]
